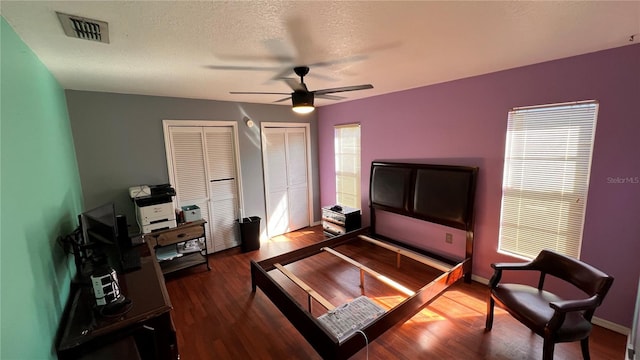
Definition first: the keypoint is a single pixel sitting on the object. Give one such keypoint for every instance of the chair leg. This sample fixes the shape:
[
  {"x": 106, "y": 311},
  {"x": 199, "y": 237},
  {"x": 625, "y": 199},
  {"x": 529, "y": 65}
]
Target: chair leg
[
  {"x": 584, "y": 344},
  {"x": 490, "y": 306},
  {"x": 547, "y": 351}
]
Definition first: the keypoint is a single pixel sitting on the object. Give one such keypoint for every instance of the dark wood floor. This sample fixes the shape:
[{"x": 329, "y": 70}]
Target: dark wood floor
[{"x": 217, "y": 316}]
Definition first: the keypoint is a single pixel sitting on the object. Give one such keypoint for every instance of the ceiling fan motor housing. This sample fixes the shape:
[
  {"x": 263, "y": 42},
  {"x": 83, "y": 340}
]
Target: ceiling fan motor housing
[{"x": 302, "y": 98}]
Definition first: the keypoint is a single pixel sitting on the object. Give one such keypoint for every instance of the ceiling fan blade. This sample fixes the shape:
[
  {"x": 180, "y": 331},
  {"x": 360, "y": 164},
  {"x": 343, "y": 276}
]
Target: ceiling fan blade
[
  {"x": 251, "y": 68},
  {"x": 283, "y": 73},
  {"x": 330, "y": 97},
  {"x": 289, "y": 71},
  {"x": 348, "y": 59},
  {"x": 283, "y": 99},
  {"x": 257, "y": 92},
  {"x": 277, "y": 52},
  {"x": 301, "y": 38},
  {"x": 295, "y": 85},
  {"x": 343, "y": 89}
]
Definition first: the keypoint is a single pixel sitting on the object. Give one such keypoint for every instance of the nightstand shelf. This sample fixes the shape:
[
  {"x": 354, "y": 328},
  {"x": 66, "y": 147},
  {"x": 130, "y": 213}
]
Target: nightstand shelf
[{"x": 169, "y": 246}]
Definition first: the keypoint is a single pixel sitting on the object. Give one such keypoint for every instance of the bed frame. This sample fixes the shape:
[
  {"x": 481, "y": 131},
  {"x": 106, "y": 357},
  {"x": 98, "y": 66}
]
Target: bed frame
[{"x": 439, "y": 194}]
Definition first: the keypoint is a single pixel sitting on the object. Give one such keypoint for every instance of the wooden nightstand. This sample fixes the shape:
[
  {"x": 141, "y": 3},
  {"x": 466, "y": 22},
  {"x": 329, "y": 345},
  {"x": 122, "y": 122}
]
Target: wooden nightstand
[{"x": 180, "y": 247}]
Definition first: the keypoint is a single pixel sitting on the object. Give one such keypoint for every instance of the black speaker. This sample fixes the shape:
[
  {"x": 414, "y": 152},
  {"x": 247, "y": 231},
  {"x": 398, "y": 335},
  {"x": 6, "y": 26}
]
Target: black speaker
[{"x": 123, "y": 232}]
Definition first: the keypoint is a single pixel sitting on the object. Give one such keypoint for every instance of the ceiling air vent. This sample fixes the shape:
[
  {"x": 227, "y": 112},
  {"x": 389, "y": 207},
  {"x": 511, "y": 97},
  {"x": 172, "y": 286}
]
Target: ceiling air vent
[{"x": 83, "y": 28}]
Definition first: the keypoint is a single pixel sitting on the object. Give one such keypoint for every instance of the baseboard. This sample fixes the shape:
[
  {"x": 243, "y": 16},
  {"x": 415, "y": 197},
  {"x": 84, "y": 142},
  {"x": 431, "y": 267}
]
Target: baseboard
[
  {"x": 479, "y": 279},
  {"x": 611, "y": 326},
  {"x": 596, "y": 320}
]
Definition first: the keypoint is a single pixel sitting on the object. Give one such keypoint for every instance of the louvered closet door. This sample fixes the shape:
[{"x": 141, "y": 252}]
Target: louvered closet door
[
  {"x": 190, "y": 177},
  {"x": 286, "y": 179},
  {"x": 223, "y": 186},
  {"x": 204, "y": 174}
]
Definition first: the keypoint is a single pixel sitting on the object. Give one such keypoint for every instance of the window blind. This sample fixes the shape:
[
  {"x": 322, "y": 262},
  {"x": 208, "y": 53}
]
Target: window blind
[
  {"x": 546, "y": 178},
  {"x": 347, "y": 152}
]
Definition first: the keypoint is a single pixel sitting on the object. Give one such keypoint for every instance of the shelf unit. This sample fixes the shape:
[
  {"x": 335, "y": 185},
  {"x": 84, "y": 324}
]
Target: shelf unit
[
  {"x": 340, "y": 221},
  {"x": 169, "y": 246}
]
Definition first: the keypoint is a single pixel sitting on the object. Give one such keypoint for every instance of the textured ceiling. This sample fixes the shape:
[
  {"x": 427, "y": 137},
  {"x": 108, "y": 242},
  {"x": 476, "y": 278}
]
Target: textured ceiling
[{"x": 204, "y": 50}]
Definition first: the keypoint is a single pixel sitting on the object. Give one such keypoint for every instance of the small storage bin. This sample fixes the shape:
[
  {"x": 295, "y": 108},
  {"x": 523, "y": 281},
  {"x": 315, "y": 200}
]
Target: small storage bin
[{"x": 191, "y": 213}]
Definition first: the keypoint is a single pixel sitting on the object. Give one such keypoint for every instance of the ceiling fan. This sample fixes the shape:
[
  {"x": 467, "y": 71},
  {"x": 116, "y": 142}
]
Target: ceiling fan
[{"x": 301, "y": 97}]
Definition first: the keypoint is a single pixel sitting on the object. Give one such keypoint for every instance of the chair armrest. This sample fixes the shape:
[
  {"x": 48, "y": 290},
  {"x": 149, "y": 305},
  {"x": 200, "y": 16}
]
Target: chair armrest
[
  {"x": 512, "y": 266},
  {"x": 563, "y": 307},
  {"x": 566, "y": 306},
  {"x": 498, "y": 267}
]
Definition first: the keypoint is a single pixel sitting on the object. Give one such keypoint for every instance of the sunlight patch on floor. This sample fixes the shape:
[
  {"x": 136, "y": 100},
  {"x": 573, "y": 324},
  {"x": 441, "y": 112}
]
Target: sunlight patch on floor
[
  {"x": 425, "y": 315},
  {"x": 440, "y": 309},
  {"x": 291, "y": 236},
  {"x": 279, "y": 239}
]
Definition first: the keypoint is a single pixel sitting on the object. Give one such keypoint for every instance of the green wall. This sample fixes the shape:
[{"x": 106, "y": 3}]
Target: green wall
[{"x": 40, "y": 197}]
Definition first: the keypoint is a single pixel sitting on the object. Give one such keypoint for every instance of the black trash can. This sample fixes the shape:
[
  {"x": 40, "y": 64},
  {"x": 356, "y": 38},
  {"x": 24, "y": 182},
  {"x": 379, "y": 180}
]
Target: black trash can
[{"x": 250, "y": 233}]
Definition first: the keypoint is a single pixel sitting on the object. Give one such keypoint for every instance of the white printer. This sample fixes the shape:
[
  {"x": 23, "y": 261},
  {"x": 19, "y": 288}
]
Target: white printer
[{"x": 154, "y": 206}]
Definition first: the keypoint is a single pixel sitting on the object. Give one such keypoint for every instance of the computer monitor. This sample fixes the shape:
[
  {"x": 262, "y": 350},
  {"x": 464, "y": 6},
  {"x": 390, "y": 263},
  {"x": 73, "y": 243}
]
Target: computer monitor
[
  {"x": 106, "y": 255},
  {"x": 106, "y": 238}
]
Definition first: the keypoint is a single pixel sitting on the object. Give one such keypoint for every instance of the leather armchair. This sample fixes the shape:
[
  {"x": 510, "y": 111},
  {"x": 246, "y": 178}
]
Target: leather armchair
[{"x": 546, "y": 314}]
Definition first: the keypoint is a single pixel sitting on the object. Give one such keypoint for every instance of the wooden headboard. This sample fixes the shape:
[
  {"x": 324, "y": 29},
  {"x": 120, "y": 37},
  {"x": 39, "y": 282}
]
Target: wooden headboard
[{"x": 441, "y": 194}]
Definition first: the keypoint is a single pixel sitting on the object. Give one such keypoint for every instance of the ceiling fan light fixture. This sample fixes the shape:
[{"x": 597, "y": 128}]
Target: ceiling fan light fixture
[
  {"x": 303, "y": 109},
  {"x": 302, "y": 102}
]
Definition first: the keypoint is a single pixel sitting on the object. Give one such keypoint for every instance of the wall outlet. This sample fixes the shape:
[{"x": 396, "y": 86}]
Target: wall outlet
[{"x": 448, "y": 238}]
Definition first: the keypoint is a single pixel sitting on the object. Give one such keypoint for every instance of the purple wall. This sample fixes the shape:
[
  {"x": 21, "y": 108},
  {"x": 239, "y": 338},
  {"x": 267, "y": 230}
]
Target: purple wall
[{"x": 464, "y": 122}]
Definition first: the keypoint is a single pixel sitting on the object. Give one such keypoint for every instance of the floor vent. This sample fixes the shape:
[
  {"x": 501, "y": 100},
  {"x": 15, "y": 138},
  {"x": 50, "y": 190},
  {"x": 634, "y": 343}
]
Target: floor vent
[{"x": 82, "y": 28}]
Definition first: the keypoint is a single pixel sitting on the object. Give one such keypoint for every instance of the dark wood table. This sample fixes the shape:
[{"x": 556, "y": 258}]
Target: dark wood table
[{"x": 147, "y": 325}]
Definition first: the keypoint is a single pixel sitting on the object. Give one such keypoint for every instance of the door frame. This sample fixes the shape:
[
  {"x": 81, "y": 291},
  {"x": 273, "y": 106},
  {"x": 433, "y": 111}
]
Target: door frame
[
  {"x": 265, "y": 166},
  {"x": 166, "y": 124}
]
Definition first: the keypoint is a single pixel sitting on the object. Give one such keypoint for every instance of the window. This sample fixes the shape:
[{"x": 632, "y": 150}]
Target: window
[
  {"x": 546, "y": 178},
  {"x": 347, "y": 149}
]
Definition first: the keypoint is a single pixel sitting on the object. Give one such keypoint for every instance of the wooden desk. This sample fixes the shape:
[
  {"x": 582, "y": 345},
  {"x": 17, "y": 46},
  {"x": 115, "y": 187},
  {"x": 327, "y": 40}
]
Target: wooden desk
[{"x": 149, "y": 321}]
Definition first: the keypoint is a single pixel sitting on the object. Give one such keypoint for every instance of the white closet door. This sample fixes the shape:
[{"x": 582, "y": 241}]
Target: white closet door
[
  {"x": 276, "y": 173},
  {"x": 205, "y": 174},
  {"x": 286, "y": 179},
  {"x": 298, "y": 194},
  {"x": 190, "y": 178},
  {"x": 223, "y": 187}
]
